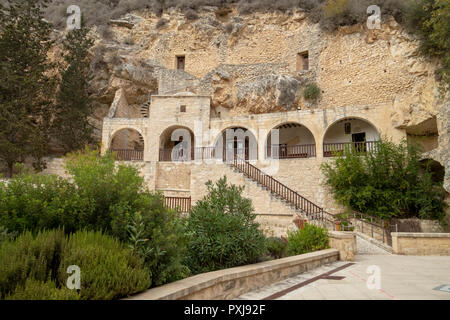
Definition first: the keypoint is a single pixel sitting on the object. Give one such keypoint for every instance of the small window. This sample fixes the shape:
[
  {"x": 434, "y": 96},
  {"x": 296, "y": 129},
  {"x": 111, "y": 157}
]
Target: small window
[
  {"x": 303, "y": 61},
  {"x": 348, "y": 128},
  {"x": 181, "y": 60},
  {"x": 182, "y": 108}
]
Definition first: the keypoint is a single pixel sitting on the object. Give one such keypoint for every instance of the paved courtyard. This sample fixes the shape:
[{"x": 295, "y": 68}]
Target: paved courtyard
[{"x": 401, "y": 277}]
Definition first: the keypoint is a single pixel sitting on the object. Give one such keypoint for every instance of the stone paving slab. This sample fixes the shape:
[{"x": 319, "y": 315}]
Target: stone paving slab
[{"x": 402, "y": 278}]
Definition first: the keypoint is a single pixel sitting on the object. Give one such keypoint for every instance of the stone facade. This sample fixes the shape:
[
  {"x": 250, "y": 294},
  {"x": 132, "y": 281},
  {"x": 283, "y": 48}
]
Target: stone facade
[
  {"x": 345, "y": 243},
  {"x": 421, "y": 244},
  {"x": 247, "y": 71}
]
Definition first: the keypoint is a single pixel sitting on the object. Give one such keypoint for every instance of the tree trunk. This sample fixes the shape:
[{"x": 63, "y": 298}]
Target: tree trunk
[{"x": 9, "y": 170}]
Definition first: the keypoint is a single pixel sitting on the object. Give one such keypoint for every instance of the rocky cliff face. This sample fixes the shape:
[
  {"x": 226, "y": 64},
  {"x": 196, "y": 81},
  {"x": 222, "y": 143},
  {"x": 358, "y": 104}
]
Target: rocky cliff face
[{"x": 253, "y": 64}]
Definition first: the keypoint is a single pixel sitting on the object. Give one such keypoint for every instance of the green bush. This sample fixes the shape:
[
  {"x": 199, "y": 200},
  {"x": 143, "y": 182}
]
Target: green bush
[
  {"x": 5, "y": 235},
  {"x": 29, "y": 257},
  {"x": 102, "y": 195},
  {"x": 116, "y": 194},
  {"x": 34, "y": 202},
  {"x": 34, "y": 267},
  {"x": 222, "y": 229},
  {"x": 385, "y": 184},
  {"x": 311, "y": 91},
  {"x": 310, "y": 238},
  {"x": 108, "y": 270},
  {"x": 39, "y": 290},
  {"x": 276, "y": 247}
]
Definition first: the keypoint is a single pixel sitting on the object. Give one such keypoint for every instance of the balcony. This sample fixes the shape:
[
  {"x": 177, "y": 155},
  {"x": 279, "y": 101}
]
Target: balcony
[{"x": 338, "y": 148}]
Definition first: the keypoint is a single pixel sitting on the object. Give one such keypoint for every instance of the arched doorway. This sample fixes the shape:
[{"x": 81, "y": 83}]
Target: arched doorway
[
  {"x": 354, "y": 133},
  {"x": 236, "y": 142},
  {"x": 176, "y": 144},
  {"x": 290, "y": 140},
  {"x": 128, "y": 145}
]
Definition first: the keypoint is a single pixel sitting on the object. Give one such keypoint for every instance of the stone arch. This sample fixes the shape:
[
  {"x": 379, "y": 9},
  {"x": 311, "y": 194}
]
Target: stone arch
[
  {"x": 240, "y": 142},
  {"x": 350, "y": 131},
  {"x": 295, "y": 140},
  {"x": 127, "y": 143},
  {"x": 176, "y": 143}
]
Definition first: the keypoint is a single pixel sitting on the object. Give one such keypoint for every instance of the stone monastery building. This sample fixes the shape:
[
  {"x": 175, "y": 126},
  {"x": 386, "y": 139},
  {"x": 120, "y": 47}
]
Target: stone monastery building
[{"x": 233, "y": 106}]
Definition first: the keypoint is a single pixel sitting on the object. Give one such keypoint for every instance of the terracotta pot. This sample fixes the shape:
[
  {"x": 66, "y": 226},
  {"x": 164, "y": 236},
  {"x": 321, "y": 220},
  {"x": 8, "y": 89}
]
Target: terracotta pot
[
  {"x": 337, "y": 225},
  {"x": 300, "y": 223}
]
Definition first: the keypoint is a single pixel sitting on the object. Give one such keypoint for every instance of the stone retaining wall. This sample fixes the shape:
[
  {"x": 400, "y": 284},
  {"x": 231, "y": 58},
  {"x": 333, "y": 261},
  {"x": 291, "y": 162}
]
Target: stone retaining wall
[
  {"x": 345, "y": 243},
  {"x": 231, "y": 283},
  {"x": 421, "y": 244}
]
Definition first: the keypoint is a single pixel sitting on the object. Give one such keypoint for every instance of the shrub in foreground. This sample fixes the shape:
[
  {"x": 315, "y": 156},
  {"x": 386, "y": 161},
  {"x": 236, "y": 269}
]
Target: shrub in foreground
[
  {"x": 108, "y": 270},
  {"x": 222, "y": 230},
  {"x": 276, "y": 247},
  {"x": 310, "y": 238},
  {"x": 102, "y": 195},
  {"x": 35, "y": 267},
  {"x": 40, "y": 290},
  {"x": 29, "y": 257}
]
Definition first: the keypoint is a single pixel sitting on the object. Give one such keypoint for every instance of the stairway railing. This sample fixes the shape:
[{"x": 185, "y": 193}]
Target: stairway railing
[{"x": 312, "y": 211}]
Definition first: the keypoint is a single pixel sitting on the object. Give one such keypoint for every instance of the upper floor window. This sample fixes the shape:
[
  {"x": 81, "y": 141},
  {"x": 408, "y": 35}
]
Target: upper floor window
[
  {"x": 181, "y": 61},
  {"x": 303, "y": 61},
  {"x": 182, "y": 108}
]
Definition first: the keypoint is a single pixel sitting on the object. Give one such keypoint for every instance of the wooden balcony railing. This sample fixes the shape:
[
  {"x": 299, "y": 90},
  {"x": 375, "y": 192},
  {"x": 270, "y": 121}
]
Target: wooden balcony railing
[
  {"x": 333, "y": 149},
  {"x": 180, "y": 204},
  {"x": 283, "y": 151},
  {"x": 205, "y": 153},
  {"x": 180, "y": 155},
  {"x": 128, "y": 154}
]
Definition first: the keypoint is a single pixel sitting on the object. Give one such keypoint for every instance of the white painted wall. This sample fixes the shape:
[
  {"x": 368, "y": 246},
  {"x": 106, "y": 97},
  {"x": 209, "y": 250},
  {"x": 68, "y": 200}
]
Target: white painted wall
[{"x": 336, "y": 133}]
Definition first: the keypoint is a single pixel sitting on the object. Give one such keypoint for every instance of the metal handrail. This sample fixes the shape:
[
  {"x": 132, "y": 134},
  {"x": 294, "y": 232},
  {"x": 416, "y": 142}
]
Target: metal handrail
[{"x": 311, "y": 209}]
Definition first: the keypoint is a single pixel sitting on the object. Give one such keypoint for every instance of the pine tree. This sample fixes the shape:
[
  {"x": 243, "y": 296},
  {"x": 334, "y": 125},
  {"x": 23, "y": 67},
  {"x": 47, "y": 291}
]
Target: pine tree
[
  {"x": 25, "y": 85},
  {"x": 74, "y": 104}
]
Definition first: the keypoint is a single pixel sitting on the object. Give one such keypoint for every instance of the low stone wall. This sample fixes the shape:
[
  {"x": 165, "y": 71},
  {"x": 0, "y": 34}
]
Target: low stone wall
[
  {"x": 231, "y": 283},
  {"x": 421, "y": 244},
  {"x": 345, "y": 243}
]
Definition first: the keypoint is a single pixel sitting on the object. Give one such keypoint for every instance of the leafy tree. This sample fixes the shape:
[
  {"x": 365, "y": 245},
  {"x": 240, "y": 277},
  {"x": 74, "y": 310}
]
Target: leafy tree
[
  {"x": 74, "y": 104},
  {"x": 390, "y": 182},
  {"x": 25, "y": 84}
]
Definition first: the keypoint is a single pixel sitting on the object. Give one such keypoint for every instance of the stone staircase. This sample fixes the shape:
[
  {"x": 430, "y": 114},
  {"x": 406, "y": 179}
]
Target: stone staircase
[
  {"x": 145, "y": 109},
  {"x": 288, "y": 197},
  {"x": 145, "y": 113}
]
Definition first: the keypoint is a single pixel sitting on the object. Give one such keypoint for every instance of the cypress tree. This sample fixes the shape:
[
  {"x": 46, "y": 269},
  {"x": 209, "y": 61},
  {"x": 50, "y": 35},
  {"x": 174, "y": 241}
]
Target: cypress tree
[
  {"x": 74, "y": 104},
  {"x": 26, "y": 86}
]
